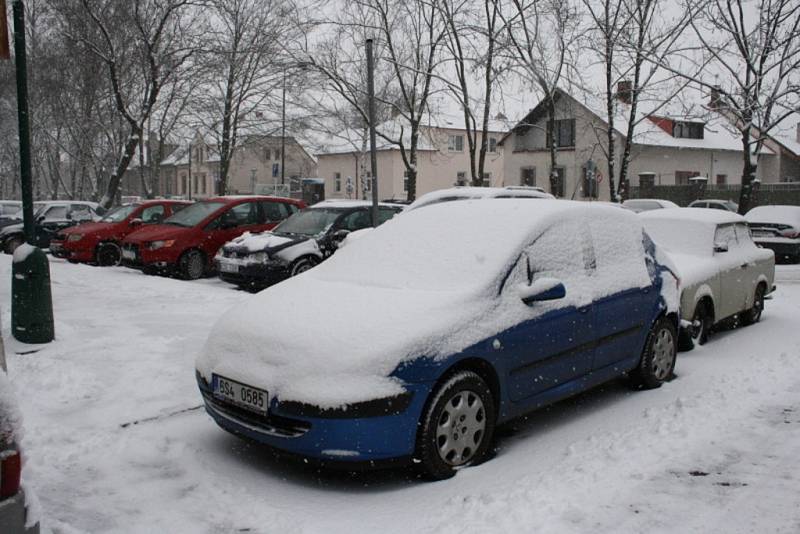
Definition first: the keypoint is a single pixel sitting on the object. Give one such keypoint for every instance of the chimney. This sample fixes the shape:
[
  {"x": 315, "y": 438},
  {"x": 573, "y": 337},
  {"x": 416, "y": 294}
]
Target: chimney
[
  {"x": 716, "y": 98},
  {"x": 625, "y": 91}
]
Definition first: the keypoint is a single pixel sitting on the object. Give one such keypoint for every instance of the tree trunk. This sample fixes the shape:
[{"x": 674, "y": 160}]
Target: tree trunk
[
  {"x": 127, "y": 155},
  {"x": 551, "y": 142},
  {"x": 748, "y": 175}
]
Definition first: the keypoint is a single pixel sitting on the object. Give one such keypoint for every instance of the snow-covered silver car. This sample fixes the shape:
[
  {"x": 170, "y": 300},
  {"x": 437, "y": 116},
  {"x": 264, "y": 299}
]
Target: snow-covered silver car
[
  {"x": 469, "y": 192},
  {"x": 723, "y": 272}
]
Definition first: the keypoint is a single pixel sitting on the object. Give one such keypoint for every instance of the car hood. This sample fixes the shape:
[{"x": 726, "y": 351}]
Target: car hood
[
  {"x": 264, "y": 242},
  {"x": 11, "y": 228},
  {"x": 333, "y": 343},
  {"x": 101, "y": 228},
  {"x": 157, "y": 232}
]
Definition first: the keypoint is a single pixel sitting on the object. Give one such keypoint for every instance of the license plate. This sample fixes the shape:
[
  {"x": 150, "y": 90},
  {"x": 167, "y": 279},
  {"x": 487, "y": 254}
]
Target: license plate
[
  {"x": 226, "y": 267},
  {"x": 128, "y": 254},
  {"x": 248, "y": 397}
]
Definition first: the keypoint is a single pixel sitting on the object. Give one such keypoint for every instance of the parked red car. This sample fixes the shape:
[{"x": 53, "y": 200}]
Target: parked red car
[
  {"x": 187, "y": 242},
  {"x": 99, "y": 242}
]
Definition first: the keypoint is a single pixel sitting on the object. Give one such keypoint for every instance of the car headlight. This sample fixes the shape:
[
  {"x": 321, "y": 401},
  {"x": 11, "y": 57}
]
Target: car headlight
[
  {"x": 155, "y": 245},
  {"x": 75, "y": 237},
  {"x": 259, "y": 257}
]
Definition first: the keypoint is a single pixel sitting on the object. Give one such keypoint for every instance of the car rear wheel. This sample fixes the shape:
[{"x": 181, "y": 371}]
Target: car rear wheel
[
  {"x": 108, "y": 254},
  {"x": 13, "y": 244},
  {"x": 457, "y": 426},
  {"x": 302, "y": 265},
  {"x": 193, "y": 265},
  {"x": 753, "y": 315},
  {"x": 658, "y": 358}
]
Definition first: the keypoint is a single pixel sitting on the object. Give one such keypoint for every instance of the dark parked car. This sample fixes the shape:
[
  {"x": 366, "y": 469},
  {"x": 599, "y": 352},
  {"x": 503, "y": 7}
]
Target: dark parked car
[
  {"x": 413, "y": 342},
  {"x": 50, "y": 218},
  {"x": 99, "y": 242},
  {"x": 187, "y": 242},
  {"x": 297, "y": 244},
  {"x": 777, "y": 228}
]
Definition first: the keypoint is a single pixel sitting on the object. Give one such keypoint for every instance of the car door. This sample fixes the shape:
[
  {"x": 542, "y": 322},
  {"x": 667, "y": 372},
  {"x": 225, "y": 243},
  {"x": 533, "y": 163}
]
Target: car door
[
  {"x": 732, "y": 271},
  {"x": 231, "y": 223},
  {"x": 623, "y": 293},
  {"x": 552, "y": 345},
  {"x": 749, "y": 263}
]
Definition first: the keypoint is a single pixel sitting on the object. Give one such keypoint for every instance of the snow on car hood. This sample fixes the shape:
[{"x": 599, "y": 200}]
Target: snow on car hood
[
  {"x": 260, "y": 241},
  {"x": 348, "y": 350}
]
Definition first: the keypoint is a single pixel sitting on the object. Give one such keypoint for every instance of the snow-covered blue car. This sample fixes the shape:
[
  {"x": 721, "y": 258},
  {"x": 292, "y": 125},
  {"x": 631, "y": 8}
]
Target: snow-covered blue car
[{"x": 415, "y": 341}]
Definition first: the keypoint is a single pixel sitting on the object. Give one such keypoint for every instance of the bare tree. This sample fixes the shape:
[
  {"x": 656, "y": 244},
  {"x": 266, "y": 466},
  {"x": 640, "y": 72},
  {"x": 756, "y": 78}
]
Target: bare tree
[
  {"x": 637, "y": 36},
  {"x": 247, "y": 59},
  {"x": 142, "y": 46},
  {"x": 473, "y": 33},
  {"x": 541, "y": 38},
  {"x": 750, "y": 54}
]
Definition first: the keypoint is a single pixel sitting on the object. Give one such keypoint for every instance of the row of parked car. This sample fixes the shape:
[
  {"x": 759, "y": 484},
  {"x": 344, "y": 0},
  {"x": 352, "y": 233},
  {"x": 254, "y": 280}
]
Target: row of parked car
[{"x": 476, "y": 304}]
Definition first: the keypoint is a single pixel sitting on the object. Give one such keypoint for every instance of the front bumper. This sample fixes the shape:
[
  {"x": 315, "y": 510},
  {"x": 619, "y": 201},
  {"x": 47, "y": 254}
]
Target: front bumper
[
  {"x": 14, "y": 515},
  {"x": 252, "y": 274},
  {"x": 337, "y": 438},
  {"x": 61, "y": 249},
  {"x": 138, "y": 257}
]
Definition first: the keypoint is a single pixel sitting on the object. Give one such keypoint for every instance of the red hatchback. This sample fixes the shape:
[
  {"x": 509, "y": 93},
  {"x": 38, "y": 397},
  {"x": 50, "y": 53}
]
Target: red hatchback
[
  {"x": 99, "y": 242},
  {"x": 187, "y": 242}
]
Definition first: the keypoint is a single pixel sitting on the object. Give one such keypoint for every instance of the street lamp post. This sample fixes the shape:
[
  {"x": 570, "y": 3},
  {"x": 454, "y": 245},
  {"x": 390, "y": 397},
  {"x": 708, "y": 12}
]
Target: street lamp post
[
  {"x": 31, "y": 298},
  {"x": 283, "y": 129}
]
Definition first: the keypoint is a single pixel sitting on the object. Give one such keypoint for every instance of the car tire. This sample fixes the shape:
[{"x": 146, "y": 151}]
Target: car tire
[
  {"x": 149, "y": 270},
  {"x": 13, "y": 243},
  {"x": 457, "y": 426},
  {"x": 302, "y": 265},
  {"x": 108, "y": 254},
  {"x": 658, "y": 357},
  {"x": 689, "y": 339},
  {"x": 753, "y": 315},
  {"x": 192, "y": 265}
]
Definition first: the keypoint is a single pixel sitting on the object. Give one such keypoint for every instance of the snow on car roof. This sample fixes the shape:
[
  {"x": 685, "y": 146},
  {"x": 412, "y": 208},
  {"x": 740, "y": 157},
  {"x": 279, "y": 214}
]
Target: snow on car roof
[
  {"x": 345, "y": 203},
  {"x": 774, "y": 214},
  {"x": 457, "y": 193},
  {"x": 698, "y": 215}
]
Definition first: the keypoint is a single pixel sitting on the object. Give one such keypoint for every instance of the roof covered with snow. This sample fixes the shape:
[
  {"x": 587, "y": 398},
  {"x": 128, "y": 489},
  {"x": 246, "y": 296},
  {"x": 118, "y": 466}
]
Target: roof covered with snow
[{"x": 699, "y": 215}]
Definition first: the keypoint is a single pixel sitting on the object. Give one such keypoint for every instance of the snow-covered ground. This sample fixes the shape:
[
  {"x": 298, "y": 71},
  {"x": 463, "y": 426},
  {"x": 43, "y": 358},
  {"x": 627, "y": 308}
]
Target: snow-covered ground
[{"x": 115, "y": 441}]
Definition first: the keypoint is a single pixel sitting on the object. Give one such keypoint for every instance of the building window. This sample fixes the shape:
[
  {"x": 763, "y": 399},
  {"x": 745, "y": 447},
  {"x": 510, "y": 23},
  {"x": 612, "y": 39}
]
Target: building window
[
  {"x": 337, "y": 182},
  {"x": 203, "y": 183},
  {"x": 564, "y": 131},
  {"x": 196, "y": 185},
  {"x": 647, "y": 180},
  {"x": 461, "y": 178},
  {"x": 277, "y": 154},
  {"x": 688, "y": 130},
  {"x": 527, "y": 176},
  {"x": 455, "y": 143},
  {"x": 492, "y": 144},
  {"x": 682, "y": 177},
  {"x": 487, "y": 179},
  {"x": 722, "y": 179}
]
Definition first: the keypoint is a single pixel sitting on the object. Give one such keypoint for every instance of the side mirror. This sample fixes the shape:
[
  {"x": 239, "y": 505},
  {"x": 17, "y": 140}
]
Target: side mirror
[
  {"x": 136, "y": 222},
  {"x": 542, "y": 289},
  {"x": 339, "y": 235},
  {"x": 720, "y": 247}
]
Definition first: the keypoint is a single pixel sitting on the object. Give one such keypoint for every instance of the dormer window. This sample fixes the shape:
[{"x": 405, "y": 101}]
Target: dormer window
[{"x": 688, "y": 130}]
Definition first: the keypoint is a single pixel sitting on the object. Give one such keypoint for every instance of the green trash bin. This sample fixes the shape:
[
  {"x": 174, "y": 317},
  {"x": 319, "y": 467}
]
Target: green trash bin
[{"x": 31, "y": 301}]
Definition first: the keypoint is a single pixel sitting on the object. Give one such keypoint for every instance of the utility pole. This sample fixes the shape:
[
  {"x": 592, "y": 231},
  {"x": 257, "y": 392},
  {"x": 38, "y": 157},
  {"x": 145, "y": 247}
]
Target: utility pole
[
  {"x": 31, "y": 298},
  {"x": 283, "y": 129},
  {"x": 189, "y": 181},
  {"x": 372, "y": 137}
]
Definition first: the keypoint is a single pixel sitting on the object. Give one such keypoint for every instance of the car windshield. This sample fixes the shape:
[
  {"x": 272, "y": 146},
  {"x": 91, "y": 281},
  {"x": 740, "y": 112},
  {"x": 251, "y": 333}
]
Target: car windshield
[
  {"x": 119, "y": 214},
  {"x": 194, "y": 214},
  {"x": 38, "y": 208},
  {"x": 308, "y": 222}
]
